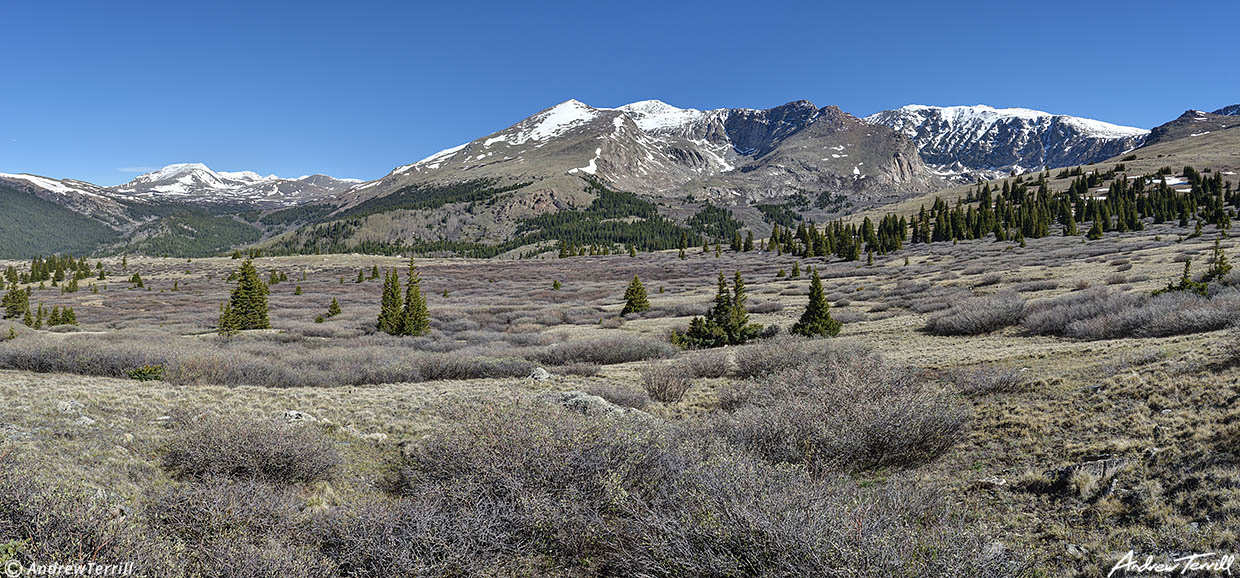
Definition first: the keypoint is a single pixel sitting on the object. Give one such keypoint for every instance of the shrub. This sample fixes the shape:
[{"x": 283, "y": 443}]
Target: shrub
[
  {"x": 270, "y": 451},
  {"x": 706, "y": 364},
  {"x": 842, "y": 411},
  {"x": 147, "y": 373},
  {"x": 620, "y": 395},
  {"x": 1101, "y": 314},
  {"x": 580, "y": 369},
  {"x": 788, "y": 352},
  {"x": 222, "y": 508},
  {"x": 625, "y": 348},
  {"x": 527, "y": 489},
  {"x": 59, "y": 524},
  {"x": 666, "y": 382},
  {"x": 978, "y": 315},
  {"x": 1052, "y": 316}
]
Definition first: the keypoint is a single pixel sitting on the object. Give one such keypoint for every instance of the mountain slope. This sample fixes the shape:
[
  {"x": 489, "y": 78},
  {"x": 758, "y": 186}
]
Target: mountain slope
[
  {"x": 30, "y": 225},
  {"x": 1195, "y": 123},
  {"x": 730, "y": 156},
  {"x": 981, "y": 138}
]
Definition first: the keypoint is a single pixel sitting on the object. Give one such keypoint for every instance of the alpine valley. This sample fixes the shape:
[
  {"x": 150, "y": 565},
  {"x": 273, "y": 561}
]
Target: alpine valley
[{"x": 647, "y": 174}]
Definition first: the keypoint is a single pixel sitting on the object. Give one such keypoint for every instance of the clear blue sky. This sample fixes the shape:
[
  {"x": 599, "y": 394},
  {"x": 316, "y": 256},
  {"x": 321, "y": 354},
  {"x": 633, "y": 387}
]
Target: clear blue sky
[{"x": 95, "y": 90}]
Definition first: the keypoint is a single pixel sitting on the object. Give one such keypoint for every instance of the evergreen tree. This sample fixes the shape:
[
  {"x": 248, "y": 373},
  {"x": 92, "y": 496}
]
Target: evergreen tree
[
  {"x": 54, "y": 318},
  {"x": 360, "y": 276},
  {"x": 333, "y": 309},
  {"x": 16, "y": 301},
  {"x": 390, "y": 306},
  {"x": 727, "y": 323},
  {"x": 556, "y": 285},
  {"x": 817, "y": 321},
  {"x": 68, "y": 317},
  {"x": 1219, "y": 266},
  {"x": 415, "y": 318},
  {"x": 796, "y": 270},
  {"x": 635, "y": 300},
  {"x": 247, "y": 307},
  {"x": 136, "y": 280},
  {"x": 296, "y": 290}
]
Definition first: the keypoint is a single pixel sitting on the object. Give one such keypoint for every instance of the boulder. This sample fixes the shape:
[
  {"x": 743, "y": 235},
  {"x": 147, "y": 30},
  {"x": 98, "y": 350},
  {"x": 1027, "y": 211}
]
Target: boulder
[
  {"x": 293, "y": 416},
  {"x": 540, "y": 374},
  {"x": 587, "y": 404}
]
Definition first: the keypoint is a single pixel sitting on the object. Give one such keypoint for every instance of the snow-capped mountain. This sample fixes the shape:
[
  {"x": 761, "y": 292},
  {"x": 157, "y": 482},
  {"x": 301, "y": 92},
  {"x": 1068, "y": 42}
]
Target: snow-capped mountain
[
  {"x": 984, "y": 139},
  {"x": 1233, "y": 110},
  {"x": 653, "y": 148},
  {"x": 196, "y": 183},
  {"x": 82, "y": 197}
]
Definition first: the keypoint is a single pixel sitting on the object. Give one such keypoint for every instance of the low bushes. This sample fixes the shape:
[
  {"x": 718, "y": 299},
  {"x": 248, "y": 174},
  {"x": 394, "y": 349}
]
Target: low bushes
[
  {"x": 846, "y": 409},
  {"x": 624, "y": 348},
  {"x": 666, "y": 382},
  {"x": 978, "y": 315},
  {"x": 536, "y": 490},
  {"x": 270, "y": 451},
  {"x": 1102, "y": 314},
  {"x": 620, "y": 395}
]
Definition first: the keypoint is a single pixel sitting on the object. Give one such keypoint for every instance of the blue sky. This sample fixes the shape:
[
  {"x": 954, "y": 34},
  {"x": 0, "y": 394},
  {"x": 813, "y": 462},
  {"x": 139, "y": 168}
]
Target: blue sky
[{"x": 100, "y": 90}]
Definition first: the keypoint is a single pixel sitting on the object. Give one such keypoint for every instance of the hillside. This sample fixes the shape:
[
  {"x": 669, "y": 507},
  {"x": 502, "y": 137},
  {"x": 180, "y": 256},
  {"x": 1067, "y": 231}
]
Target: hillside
[{"x": 30, "y": 226}]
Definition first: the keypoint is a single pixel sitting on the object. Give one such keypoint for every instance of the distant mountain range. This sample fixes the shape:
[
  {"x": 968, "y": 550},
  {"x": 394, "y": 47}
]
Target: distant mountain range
[
  {"x": 981, "y": 139},
  {"x": 819, "y": 162}
]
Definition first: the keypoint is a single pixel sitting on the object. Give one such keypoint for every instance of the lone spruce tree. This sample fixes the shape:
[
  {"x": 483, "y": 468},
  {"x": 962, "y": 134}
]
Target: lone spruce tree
[
  {"x": 817, "y": 321},
  {"x": 333, "y": 309},
  {"x": 1219, "y": 267},
  {"x": 635, "y": 300},
  {"x": 390, "y": 314},
  {"x": 415, "y": 319},
  {"x": 247, "y": 308}
]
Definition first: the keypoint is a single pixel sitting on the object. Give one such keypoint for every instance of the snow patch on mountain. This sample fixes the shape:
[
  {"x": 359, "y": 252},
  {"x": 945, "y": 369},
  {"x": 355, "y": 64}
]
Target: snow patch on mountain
[{"x": 656, "y": 115}]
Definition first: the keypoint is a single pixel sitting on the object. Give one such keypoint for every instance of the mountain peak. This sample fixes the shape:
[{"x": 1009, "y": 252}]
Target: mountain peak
[{"x": 985, "y": 138}]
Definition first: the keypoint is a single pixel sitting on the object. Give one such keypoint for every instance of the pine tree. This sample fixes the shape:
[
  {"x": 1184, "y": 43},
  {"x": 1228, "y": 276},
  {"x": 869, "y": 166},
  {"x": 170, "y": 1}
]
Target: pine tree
[
  {"x": 68, "y": 317},
  {"x": 1219, "y": 266},
  {"x": 796, "y": 270},
  {"x": 1095, "y": 232},
  {"x": 247, "y": 307},
  {"x": 817, "y": 321},
  {"x": 297, "y": 290},
  {"x": 556, "y": 285},
  {"x": 635, "y": 300},
  {"x": 360, "y": 276},
  {"x": 53, "y": 319},
  {"x": 136, "y": 280},
  {"x": 333, "y": 309},
  {"x": 390, "y": 305},
  {"x": 374, "y": 271},
  {"x": 16, "y": 301},
  {"x": 415, "y": 319}
]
